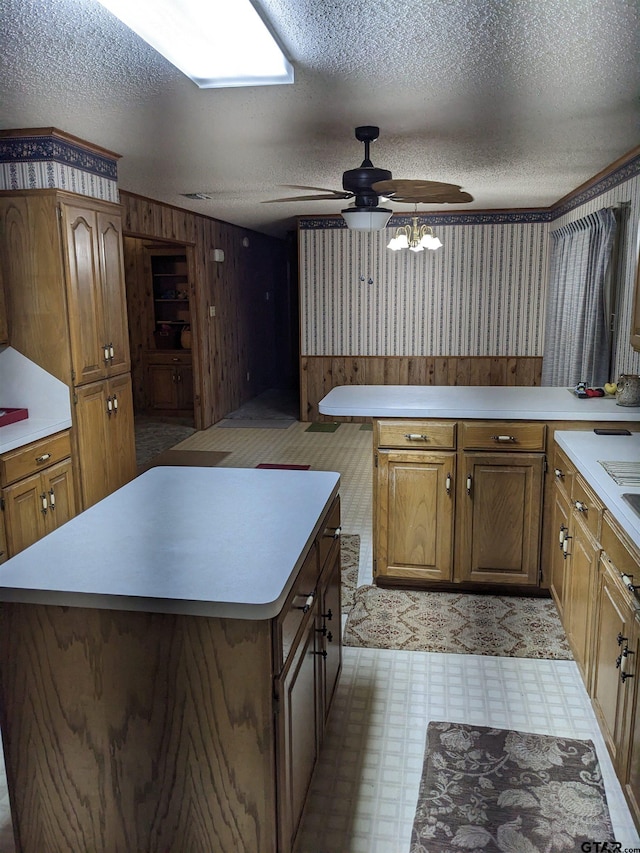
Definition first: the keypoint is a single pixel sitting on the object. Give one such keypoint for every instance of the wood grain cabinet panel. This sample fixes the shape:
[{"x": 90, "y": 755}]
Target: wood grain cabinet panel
[
  {"x": 559, "y": 553},
  {"x": 4, "y": 325},
  {"x": 415, "y": 512},
  {"x": 500, "y": 517}
]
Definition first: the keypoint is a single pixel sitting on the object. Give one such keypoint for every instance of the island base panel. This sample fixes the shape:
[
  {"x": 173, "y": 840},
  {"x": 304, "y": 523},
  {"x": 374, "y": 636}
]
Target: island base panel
[{"x": 118, "y": 735}]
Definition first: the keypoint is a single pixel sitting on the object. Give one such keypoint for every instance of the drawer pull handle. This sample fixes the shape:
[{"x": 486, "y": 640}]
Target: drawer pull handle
[
  {"x": 43, "y": 498},
  {"x": 43, "y": 458},
  {"x": 111, "y": 352},
  {"x": 620, "y": 639},
  {"x": 627, "y": 580},
  {"x": 323, "y": 653},
  {"x": 416, "y": 436},
  {"x": 559, "y": 474},
  {"x": 308, "y": 601},
  {"x": 468, "y": 484},
  {"x": 328, "y": 615},
  {"x": 52, "y": 499},
  {"x": 332, "y": 532},
  {"x": 447, "y": 484},
  {"x": 115, "y": 403},
  {"x": 563, "y": 534},
  {"x": 623, "y": 666},
  {"x": 105, "y": 350},
  {"x": 109, "y": 405},
  {"x": 580, "y": 506},
  {"x": 504, "y": 438},
  {"x": 565, "y": 547}
]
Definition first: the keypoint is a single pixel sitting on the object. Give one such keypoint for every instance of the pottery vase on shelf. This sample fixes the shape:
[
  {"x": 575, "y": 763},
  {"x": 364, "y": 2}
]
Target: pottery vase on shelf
[
  {"x": 185, "y": 337},
  {"x": 628, "y": 390}
]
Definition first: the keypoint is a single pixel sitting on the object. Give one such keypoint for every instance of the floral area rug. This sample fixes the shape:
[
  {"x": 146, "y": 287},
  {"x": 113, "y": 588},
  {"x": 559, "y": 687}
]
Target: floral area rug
[
  {"x": 458, "y": 623},
  {"x": 500, "y": 791},
  {"x": 350, "y": 563}
]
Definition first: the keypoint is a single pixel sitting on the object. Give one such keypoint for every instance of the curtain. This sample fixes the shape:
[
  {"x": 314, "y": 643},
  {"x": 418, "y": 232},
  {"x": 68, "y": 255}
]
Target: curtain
[{"x": 576, "y": 338}]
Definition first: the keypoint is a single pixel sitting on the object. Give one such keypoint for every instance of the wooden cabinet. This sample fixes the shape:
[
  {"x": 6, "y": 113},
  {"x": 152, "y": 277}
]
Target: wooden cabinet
[
  {"x": 563, "y": 473},
  {"x": 96, "y": 291},
  {"x": 170, "y": 383},
  {"x": 4, "y": 550},
  {"x": 38, "y": 492},
  {"x": 103, "y": 413},
  {"x": 582, "y": 549},
  {"x": 171, "y": 292},
  {"x": 311, "y": 667},
  {"x": 415, "y": 510},
  {"x": 4, "y": 326},
  {"x": 61, "y": 260},
  {"x": 447, "y": 511}
]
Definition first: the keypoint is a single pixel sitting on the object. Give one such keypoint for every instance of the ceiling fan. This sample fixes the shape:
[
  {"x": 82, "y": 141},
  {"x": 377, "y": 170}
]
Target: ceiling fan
[{"x": 368, "y": 184}]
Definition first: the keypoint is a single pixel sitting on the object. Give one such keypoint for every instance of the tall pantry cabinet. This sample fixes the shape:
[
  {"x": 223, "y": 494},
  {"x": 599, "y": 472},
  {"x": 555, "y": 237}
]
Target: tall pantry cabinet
[{"x": 63, "y": 272}]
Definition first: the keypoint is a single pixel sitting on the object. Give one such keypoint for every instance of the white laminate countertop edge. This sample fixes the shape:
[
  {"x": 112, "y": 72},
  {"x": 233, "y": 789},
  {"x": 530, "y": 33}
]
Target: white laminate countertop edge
[
  {"x": 223, "y": 542},
  {"x": 31, "y": 429},
  {"x": 457, "y": 401},
  {"x": 586, "y": 450}
]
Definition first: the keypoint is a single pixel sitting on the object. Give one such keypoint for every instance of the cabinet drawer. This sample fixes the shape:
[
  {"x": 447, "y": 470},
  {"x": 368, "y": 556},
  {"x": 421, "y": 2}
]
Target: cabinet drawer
[
  {"x": 34, "y": 457},
  {"x": 563, "y": 471},
  {"x": 624, "y": 556},
  {"x": 296, "y": 609},
  {"x": 169, "y": 358},
  {"x": 417, "y": 434},
  {"x": 507, "y": 435},
  {"x": 587, "y": 506},
  {"x": 329, "y": 535}
]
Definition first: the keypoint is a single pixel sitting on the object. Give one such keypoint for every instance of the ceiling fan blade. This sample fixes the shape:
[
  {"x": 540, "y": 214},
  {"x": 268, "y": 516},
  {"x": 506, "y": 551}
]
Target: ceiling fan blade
[
  {"x": 336, "y": 193},
  {"x": 319, "y": 197},
  {"x": 435, "y": 192}
]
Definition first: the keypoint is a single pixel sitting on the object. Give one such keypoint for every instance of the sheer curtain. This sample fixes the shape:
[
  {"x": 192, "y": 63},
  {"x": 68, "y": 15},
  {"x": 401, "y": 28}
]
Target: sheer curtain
[{"x": 576, "y": 339}]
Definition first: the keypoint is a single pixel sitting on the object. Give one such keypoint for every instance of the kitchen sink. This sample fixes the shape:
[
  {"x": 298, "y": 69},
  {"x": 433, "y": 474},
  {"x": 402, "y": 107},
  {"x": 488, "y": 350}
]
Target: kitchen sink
[{"x": 633, "y": 500}]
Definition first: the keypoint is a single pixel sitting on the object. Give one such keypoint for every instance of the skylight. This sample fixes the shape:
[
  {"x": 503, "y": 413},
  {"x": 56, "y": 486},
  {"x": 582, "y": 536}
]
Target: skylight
[{"x": 216, "y": 43}]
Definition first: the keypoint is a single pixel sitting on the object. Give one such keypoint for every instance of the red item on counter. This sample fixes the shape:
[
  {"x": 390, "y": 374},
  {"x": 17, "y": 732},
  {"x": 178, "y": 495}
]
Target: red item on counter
[
  {"x": 595, "y": 392},
  {"x": 10, "y": 416}
]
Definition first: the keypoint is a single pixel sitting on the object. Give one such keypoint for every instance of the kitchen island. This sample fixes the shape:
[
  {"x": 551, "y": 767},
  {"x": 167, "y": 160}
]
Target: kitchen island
[
  {"x": 461, "y": 496},
  {"x": 166, "y": 666}
]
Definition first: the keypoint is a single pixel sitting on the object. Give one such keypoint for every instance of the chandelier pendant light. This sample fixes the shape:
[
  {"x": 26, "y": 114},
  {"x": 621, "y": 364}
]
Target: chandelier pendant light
[{"x": 415, "y": 237}]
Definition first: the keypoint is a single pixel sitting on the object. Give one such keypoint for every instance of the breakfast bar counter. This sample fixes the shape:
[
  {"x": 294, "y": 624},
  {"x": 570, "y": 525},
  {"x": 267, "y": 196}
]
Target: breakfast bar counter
[{"x": 166, "y": 664}]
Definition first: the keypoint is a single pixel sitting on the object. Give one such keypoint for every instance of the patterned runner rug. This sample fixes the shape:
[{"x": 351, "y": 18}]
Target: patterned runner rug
[
  {"x": 462, "y": 623},
  {"x": 496, "y": 790},
  {"x": 349, "y": 563}
]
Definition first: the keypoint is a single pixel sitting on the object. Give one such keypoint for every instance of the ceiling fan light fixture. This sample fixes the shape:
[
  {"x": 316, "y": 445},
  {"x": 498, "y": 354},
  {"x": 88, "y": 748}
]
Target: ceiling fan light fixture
[
  {"x": 366, "y": 218},
  {"x": 414, "y": 237}
]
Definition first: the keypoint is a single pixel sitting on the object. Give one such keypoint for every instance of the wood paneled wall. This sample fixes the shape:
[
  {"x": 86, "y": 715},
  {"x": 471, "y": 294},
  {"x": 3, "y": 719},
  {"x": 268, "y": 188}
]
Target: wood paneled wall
[
  {"x": 319, "y": 374},
  {"x": 237, "y": 352}
]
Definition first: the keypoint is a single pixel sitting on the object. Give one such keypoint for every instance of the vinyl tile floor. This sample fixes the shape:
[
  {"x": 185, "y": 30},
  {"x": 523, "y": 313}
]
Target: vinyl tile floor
[{"x": 364, "y": 790}]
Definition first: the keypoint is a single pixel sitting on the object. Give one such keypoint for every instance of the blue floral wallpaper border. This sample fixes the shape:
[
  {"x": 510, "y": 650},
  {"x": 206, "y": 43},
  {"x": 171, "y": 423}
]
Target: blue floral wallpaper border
[{"x": 35, "y": 149}]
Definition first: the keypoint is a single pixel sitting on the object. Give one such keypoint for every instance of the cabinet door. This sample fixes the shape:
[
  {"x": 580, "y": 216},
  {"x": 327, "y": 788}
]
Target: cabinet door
[
  {"x": 162, "y": 384},
  {"x": 92, "y": 424},
  {"x": 86, "y": 321},
  {"x": 24, "y": 509},
  {"x": 114, "y": 296},
  {"x": 4, "y": 328},
  {"x": 184, "y": 384},
  {"x": 613, "y": 627},
  {"x": 415, "y": 514},
  {"x": 583, "y": 553},
  {"x": 500, "y": 500},
  {"x": 630, "y": 749},
  {"x": 121, "y": 447},
  {"x": 297, "y": 726},
  {"x": 57, "y": 484},
  {"x": 329, "y": 630},
  {"x": 559, "y": 544}
]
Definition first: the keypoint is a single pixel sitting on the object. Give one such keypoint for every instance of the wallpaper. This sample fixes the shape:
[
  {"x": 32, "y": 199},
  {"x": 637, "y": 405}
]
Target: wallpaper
[{"x": 483, "y": 293}]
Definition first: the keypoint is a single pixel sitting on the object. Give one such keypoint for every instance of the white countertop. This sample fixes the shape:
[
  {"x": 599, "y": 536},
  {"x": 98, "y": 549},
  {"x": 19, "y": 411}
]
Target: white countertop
[
  {"x": 201, "y": 541},
  {"x": 586, "y": 450},
  {"x": 25, "y": 385},
  {"x": 459, "y": 401}
]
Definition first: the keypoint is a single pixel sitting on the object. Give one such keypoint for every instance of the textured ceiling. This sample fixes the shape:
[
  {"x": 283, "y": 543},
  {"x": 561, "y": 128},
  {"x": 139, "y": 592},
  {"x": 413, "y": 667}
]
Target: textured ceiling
[{"x": 519, "y": 101}]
